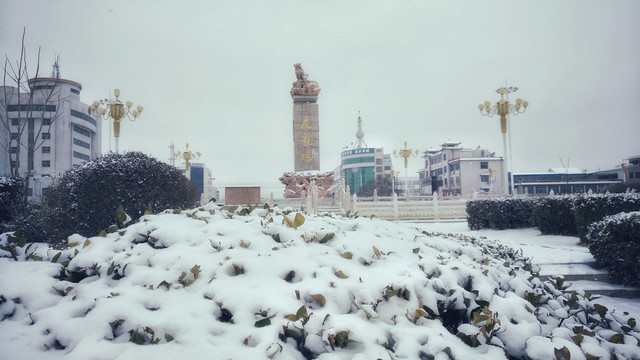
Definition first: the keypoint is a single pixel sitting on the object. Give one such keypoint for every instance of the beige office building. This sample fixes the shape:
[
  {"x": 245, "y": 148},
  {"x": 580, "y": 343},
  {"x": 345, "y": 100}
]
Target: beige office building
[{"x": 454, "y": 170}]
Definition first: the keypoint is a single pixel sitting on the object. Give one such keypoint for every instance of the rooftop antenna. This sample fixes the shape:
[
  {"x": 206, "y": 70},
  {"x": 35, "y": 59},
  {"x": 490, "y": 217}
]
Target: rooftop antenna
[
  {"x": 360, "y": 133},
  {"x": 55, "y": 72}
]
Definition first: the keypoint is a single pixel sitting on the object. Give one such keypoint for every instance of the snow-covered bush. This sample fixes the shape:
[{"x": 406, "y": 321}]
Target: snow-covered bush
[
  {"x": 86, "y": 198},
  {"x": 588, "y": 209},
  {"x": 615, "y": 243},
  {"x": 554, "y": 215},
  {"x": 500, "y": 214},
  {"x": 11, "y": 199},
  {"x": 623, "y": 187},
  {"x": 261, "y": 283}
]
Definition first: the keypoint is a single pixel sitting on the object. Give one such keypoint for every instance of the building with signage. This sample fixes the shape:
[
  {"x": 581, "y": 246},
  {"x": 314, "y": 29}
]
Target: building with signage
[
  {"x": 361, "y": 164},
  {"x": 454, "y": 170},
  {"x": 52, "y": 118}
]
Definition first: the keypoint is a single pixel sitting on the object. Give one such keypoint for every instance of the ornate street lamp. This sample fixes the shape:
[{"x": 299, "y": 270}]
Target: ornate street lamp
[
  {"x": 188, "y": 155},
  {"x": 406, "y": 154},
  {"x": 504, "y": 108},
  {"x": 116, "y": 110}
]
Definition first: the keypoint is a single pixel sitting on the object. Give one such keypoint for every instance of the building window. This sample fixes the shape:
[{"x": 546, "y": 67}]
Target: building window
[
  {"x": 379, "y": 169},
  {"x": 34, "y": 107},
  {"x": 484, "y": 178},
  {"x": 14, "y": 149},
  {"x": 378, "y": 161},
  {"x": 541, "y": 189},
  {"x": 81, "y": 130},
  {"x": 46, "y": 136},
  {"x": 15, "y": 122},
  {"x": 46, "y": 149},
  {"x": 81, "y": 143},
  {"x": 484, "y": 164},
  {"x": 46, "y": 122},
  {"x": 83, "y": 116},
  {"x": 46, "y": 163},
  {"x": 14, "y": 136},
  {"x": 80, "y": 156},
  {"x": 75, "y": 91}
]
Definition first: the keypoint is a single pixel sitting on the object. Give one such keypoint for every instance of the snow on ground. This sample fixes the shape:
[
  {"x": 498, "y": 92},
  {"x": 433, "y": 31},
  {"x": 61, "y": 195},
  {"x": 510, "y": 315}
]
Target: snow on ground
[
  {"x": 209, "y": 284},
  {"x": 556, "y": 255}
]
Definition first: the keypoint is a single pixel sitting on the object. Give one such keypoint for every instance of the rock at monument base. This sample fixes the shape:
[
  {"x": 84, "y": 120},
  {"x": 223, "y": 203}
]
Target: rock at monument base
[{"x": 297, "y": 184}]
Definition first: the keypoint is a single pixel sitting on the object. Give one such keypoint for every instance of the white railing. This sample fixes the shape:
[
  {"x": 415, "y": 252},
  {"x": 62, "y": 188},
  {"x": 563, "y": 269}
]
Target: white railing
[{"x": 388, "y": 208}]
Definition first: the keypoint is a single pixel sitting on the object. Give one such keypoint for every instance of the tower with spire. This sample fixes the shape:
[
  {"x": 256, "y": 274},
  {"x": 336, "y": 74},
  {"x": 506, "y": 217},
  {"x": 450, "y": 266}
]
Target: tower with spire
[{"x": 361, "y": 164}]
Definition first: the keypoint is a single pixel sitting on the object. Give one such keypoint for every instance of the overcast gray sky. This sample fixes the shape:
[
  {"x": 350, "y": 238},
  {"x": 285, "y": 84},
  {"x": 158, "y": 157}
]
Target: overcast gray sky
[{"x": 217, "y": 74}]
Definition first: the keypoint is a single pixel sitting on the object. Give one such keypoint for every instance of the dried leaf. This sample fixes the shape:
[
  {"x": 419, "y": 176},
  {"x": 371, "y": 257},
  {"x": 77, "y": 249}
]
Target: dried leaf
[
  {"x": 341, "y": 275},
  {"x": 319, "y": 298},
  {"x": 377, "y": 252}
]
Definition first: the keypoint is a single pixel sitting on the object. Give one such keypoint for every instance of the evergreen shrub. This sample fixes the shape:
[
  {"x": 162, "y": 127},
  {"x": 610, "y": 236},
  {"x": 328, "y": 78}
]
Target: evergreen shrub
[
  {"x": 554, "y": 215},
  {"x": 615, "y": 243},
  {"x": 500, "y": 214},
  {"x": 86, "y": 198},
  {"x": 588, "y": 209},
  {"x": 11, "y": 199}
]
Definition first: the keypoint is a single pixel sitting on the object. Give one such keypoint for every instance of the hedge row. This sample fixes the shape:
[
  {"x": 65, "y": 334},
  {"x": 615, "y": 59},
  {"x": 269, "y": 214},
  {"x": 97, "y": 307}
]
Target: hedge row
[
  {"x": 615, "y": 243},
  {"x": 500, "y": 214},
  {"x": 589, "y": 209},
  {"x": 554, "y": 215},
  {"x": 557, "y": 215}
]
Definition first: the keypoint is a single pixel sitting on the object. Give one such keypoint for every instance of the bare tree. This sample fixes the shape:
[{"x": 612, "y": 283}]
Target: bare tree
[{"x": 30, "y": 103}]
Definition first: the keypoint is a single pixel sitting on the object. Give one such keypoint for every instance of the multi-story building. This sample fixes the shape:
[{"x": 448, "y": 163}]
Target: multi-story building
[
  {"x": 201, "y": 178},
  {"x": 566, "y": 181},
  {"x": 361, "y": 164},
  {"x": 53, "y": 121},
  {"x": 454, "y": 170},
  {"x": 633, "y": 170}
]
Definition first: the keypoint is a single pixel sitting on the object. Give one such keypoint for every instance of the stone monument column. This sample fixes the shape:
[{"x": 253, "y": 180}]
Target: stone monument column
[{"x": 306, "y": 122}]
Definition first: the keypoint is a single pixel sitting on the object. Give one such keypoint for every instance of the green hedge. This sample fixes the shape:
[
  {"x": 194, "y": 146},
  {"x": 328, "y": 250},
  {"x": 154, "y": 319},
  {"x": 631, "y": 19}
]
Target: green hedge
[
  {"x": 615, "y": 243},
  {"x": 588, "y": 209},
  {"x": 500, "y": 214},
  {"x": 554, "y": 215}
]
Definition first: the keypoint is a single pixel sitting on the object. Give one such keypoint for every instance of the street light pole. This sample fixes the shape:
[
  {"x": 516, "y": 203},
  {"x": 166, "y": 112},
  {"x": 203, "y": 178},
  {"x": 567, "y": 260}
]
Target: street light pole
[
  {"x": 504, "y": 108},
  {"x": 116, "y": 110},
  {"x": 406, "y": 154},
  {"x": 188, "y": 155}
]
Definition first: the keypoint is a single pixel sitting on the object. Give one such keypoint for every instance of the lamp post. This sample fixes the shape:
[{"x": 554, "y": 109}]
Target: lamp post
[
  {"x": 188, "y": 155},
  {"x": 116, "y": 110},
  {"x": 504, "y": 108},
  {"x": 406, "y": 154}
]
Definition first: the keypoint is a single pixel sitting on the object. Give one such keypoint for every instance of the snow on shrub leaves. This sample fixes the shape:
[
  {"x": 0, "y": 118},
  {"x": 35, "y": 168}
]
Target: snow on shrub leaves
[
  {"x": 86, "y": 198},
  {"x": 371, "y": 289},
  {"x": 615, "y": 243}
]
